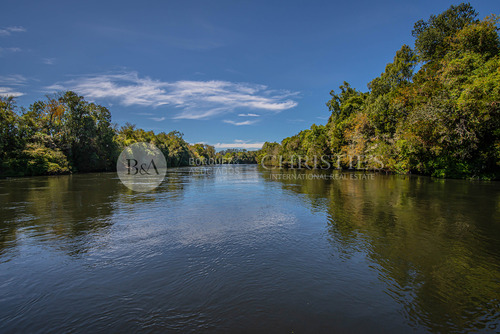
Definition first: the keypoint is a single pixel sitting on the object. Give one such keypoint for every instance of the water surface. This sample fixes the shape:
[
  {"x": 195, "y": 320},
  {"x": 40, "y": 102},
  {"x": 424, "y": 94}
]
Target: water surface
[{"x": 244, "y": 249}]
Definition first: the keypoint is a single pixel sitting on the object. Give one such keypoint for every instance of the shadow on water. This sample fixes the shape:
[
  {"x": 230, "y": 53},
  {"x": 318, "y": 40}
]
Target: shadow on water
[{"x": 435, "y": 243}]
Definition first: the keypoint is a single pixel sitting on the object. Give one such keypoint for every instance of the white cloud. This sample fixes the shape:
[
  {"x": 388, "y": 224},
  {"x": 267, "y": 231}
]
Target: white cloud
[
  {"x": 193, "y": 99},
  {"x": 239, "y": 123},
  {"x": 199, "y": 114},
  {"x": 7, "y": 91},
  {"x": 248, "y": 115},
  {"x": 49, "y": 61},
  {"x": 16, "y": 29},
  {"x": 9, "y": 30},
  {"x": 11, "y": 80},
  {"x": 5, "y": 50},
  {"x": 158, "y": 119},
  {"x": 239, "y": 144}
]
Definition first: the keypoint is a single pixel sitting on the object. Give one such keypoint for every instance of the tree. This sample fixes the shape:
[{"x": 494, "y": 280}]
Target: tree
[
  {"x": 10, "y": 141},
  {"x": 88, "y": 132},
  {"x": 397, "y": 74},
  {"x": 443, "y": 120},
  {"x": 433, "y": 36}
]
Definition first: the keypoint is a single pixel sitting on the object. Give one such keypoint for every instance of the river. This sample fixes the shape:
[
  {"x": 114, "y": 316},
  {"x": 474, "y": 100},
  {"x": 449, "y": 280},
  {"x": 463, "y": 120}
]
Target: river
[{"x": 244, "y": 249}]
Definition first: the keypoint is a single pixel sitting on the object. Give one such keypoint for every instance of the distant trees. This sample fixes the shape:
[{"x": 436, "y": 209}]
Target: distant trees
[
  {"x": 65, "y": 133},
  {"x": 173, "y": 146},
  {"x": 236, "y": 156},
  {"x": 443, "y": 120},
  {"x": 203, "y": 154}
]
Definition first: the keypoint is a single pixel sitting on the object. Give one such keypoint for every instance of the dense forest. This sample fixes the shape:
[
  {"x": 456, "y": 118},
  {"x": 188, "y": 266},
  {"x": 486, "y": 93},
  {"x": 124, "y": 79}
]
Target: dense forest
[
  {"x": 433, "y": 111},
  {"x": 65, "y": 134}
]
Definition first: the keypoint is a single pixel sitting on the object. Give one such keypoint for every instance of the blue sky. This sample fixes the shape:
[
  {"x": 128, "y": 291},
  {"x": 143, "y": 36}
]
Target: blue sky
[{"x": 226, "y": 73}]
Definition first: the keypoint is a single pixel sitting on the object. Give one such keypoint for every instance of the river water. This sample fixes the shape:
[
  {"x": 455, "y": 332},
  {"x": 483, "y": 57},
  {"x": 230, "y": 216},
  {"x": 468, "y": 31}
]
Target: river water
[{"x": 245, "y": 249}]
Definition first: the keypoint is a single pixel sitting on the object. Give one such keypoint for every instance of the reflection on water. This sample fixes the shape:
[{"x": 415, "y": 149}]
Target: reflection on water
[
  {"x": 66, "y": 210},
  {"x": 435, "y": 242},
  {"x": 236, "y": 248}
]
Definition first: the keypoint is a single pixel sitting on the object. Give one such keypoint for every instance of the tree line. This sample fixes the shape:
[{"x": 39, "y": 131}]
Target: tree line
[
  {"x": 67, "y": 134},
  {"x": 435, "y": 110}
]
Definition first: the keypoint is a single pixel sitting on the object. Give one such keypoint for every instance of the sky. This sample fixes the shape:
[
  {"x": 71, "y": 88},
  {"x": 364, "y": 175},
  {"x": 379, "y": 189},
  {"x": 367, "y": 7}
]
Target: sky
[{"x": 233, "y": 74}]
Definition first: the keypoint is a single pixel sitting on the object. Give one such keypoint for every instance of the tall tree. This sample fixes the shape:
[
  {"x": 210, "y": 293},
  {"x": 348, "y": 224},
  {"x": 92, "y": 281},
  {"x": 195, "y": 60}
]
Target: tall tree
[{"x": 433, "y": 36}]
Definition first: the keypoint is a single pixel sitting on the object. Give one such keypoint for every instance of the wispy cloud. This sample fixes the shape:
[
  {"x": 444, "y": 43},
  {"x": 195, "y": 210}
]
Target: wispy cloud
[
  {"x": 6, "y": 83},
  {"x": 9, "y": 50},
  {"x": 49, "y": 61},
  {"x": 13, "y": 80},
  {"x": 8, "y": 91},
  {"x": 239, "y": 144},
  {"x": 239, "y": 123},
  {"x": 194, "y": 99},
  {"x": 158, "y": 119},
  {"x": 9, "y": 30},
  {"x": 248, "y": 115}
]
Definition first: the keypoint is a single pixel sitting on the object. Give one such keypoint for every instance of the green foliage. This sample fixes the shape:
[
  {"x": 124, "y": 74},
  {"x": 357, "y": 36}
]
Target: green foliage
[
  {"x": 40, "y": 159},
  {"x": 173, "y": 146},
  {"x": 346, "y": 103},
  {"x": 68, "y": 134},
  {"x": 398, "y": 73},
  {"x": 65, "y": 134},
  {"x": 236, "y": 156},
  {"x": 443, "y": 120},
  {"x": 10, "y": 141},
  {"x": 480, "y": 37},
  {"x": 343, "y": 106},
  {"x": 269, "y": 153},
  {"x": 87, "y": 132},
  {"x": 433, "y": 36},
  {"x": 204, "y": 154}
]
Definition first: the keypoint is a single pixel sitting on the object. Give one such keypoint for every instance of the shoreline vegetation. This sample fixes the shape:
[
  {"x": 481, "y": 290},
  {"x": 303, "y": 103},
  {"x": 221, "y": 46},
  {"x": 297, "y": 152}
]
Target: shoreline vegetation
[
  {"x": 435, "y": 111},
  {"x": 66, "y": 134}
]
